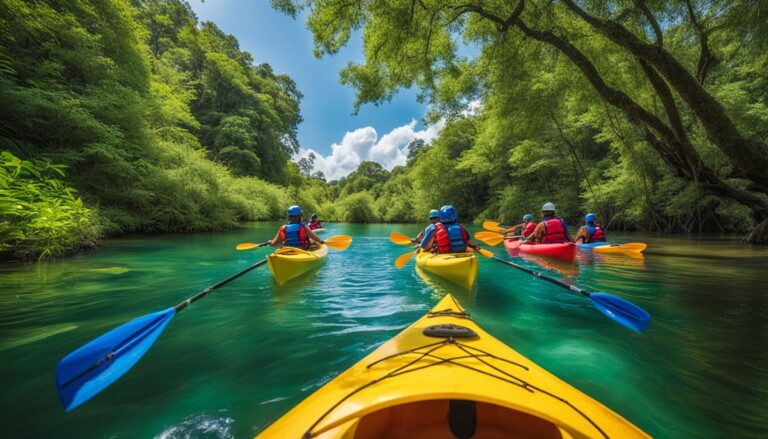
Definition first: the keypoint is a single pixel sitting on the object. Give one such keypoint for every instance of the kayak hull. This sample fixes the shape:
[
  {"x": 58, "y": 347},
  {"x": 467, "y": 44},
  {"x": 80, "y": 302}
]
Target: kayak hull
[
  {"x": 633, "y": 249},
  {"x": 288, "y": 263},
  {"x": 459, "y": 268},
  {"x": 565, "y": 252},
  {"x": 420, "y": 386}
]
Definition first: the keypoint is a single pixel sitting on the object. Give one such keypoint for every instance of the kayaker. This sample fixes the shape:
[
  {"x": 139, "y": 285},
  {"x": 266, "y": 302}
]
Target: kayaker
[
  {"x": 591, "y": 231},
  {"x": 434, "y": 217},
  {"x": 447, "y": 236},
  {"x": 526, "y": 227},
  {"x": 295, "y": 233},
  {"x": 552, "y": 229},
  {"x": 314, "y": 223}
]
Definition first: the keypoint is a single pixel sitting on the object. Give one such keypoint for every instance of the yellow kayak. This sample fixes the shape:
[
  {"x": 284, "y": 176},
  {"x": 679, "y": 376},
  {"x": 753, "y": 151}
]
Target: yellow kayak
[
  {"x": 459, "y": 268},
  {"x": 445, "y": 377},
  {"x": 289, "y": 262}
]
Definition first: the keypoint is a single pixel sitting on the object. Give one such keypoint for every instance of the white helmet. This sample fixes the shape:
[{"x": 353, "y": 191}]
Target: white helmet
[{"x": 548, "y": 206}]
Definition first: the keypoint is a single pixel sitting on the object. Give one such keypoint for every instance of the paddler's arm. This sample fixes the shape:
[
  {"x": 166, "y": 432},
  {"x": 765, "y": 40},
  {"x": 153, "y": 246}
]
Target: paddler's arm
[
  {"x": 582, "y": 234},
  {"x": 275, "y": 240},
  {"x": 537, "y": 232},
  {"x": 426, "y": 242},
  {"x": 419, "y": 237},
  {"x": 312, "y": 236},
  {"x": 513, "y": 228}
]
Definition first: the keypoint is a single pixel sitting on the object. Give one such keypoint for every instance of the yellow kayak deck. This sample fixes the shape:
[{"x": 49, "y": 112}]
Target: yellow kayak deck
[
  {"x": 289, "y": 262},
  {"x": 418, "y": 386},
  {"x": 459, "y": 268}
]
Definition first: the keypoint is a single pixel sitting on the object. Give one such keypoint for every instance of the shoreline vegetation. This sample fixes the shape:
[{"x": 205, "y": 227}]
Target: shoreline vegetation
[{"x": 133, "y": 116}]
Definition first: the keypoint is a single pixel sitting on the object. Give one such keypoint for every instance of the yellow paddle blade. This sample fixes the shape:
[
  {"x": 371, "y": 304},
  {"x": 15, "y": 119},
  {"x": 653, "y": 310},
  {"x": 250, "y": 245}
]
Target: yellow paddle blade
[
  {"x": 339, "y": 242},
  {"x": 403, "y": 259},
  {"x": 492, "y": 226},
  {"x": 399, "y": 239},
  {"x": 247, "y": 246},
  {"x": 490, "y": 238},
  {"x": 482, "y": 251}
]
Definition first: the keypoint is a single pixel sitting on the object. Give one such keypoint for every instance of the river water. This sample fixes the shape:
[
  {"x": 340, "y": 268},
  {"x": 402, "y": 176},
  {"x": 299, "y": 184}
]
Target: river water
[{"x": 238, "y": 359}]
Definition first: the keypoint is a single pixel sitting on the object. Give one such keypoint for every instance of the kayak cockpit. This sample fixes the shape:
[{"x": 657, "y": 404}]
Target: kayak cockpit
[{"x": 443, "y": 418}]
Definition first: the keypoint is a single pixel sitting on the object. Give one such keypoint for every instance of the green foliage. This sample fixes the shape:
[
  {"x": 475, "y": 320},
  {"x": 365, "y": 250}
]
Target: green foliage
[
  {"x": 164, "y": 124},
  {"x": 40, "y": 216}
]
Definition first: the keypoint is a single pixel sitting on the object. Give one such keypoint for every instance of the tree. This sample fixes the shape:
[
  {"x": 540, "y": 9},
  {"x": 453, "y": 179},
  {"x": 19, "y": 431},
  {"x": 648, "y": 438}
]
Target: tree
[
  {"x": 655, "y": 62},
  {"x": 307, "y": 164}
]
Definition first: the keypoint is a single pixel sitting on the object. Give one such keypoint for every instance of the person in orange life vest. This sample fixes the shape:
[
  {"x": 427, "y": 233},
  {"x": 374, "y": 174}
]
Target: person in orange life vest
[
  {"x": 295, "y": 233},
  {"x": 525, "y": 228},
  {"x": 591, "y": 232},
  {"x": 314, "y": 223},
  {"x": 551, "y": 229},
  {"x": 447, "y": 236},
  {"x": 434, "y": 217}
]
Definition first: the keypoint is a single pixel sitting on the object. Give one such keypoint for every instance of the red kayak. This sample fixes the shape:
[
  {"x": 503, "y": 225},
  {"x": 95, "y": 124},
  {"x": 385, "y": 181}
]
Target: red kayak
[{"x": 564, "y": 252}]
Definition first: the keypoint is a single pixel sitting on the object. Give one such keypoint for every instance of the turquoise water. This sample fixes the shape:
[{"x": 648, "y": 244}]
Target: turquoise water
[{"x": 235, "y": 361}]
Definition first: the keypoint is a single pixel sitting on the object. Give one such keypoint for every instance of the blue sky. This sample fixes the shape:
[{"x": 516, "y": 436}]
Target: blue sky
[{"x": 339, "y": 139}]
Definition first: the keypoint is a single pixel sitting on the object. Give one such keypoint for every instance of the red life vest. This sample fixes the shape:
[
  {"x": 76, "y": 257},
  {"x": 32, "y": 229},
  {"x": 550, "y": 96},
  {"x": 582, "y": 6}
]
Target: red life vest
[
  {"x": 595, "y": 234},
  {"x": 530, "y": 226},
  {"x": 314, "y": 225},
  {"x": 294, "y": 235},
  {"x": 554, "y": 231},
  {"x": 451, "y": 238}
]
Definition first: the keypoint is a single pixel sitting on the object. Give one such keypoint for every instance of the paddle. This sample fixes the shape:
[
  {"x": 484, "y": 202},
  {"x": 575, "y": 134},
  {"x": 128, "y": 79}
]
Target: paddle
[
  {"x": 399, "y": 238},
  {"x": 339, "y": 242},
  {"x": 87, "y": 371},
  {"x": 250, "y": 246},
  {"x": 619, "y": 310},
  {"x": 482, "y": 251},
  {"x": 493, "y": 226},
  {"x": 490, "y": 238},
  {"x": 404, "y": 259}
]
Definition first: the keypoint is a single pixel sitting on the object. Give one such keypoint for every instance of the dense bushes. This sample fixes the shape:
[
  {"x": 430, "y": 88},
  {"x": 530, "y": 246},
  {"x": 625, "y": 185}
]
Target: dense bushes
[{"x": 39, "y": 215}]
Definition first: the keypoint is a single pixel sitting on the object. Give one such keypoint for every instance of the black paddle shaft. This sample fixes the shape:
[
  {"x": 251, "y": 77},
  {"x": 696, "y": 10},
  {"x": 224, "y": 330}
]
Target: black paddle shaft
[
  {"x": 541, "y": 276},
  {"x": 205, "y": 292}
]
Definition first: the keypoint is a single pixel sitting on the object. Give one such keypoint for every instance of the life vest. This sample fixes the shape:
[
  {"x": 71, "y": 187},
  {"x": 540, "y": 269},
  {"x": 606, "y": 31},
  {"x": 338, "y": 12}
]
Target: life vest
[
  {"x": 451, "y": 238},
  {"x": 294, "y": 235},
  {"x": 529, "y": 227},
  {"x": 595, "y": 234},
  {"x": 554, "y": 231},
  {"x": 313, "y": 225}
]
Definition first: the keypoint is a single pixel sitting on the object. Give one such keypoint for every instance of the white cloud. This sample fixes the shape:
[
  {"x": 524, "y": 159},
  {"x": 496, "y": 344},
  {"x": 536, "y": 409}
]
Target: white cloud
[{"x": 364, "y": 144}]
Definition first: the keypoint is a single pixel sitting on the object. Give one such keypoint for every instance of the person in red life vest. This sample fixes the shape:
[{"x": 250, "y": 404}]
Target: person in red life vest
[
  {"x": 314, "y": 223},
  {"x": 591, "y": 232},
  {"x": 434, "y": 217},
  {"x": 551, "y": 229},
  {"x": 447, "y": 236},
  {"x": 295, "y": 233},
  {"x": 523, "y": 229}
]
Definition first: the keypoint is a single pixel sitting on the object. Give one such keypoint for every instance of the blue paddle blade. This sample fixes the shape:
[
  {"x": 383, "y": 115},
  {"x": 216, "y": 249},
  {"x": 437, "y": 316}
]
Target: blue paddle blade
[
  {"x": 90, "y": 369},
  {"x": 621, "y": 311}
]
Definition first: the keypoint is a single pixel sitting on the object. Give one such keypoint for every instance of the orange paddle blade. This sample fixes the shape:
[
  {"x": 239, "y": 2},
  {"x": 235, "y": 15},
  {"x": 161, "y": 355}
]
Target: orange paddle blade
[
  {"x": 403, "y": 259},
  {"x": 340, "y": 242},
  {"x": 400, "y": 239},
  {"x": 482, "y": 251},
  {"x": 634, "y": 246},
  {"x": 493, "y": 226},
  {"x": 490, "y": 238},
  {"x": 247, "y": 246}
]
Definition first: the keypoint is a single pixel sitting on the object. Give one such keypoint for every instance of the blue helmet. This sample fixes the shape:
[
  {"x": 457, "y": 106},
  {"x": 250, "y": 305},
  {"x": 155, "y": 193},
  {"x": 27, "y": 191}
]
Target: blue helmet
[
  {"x": 447, "y": 214},
  {"x": 590, "y": 218},
  {"x": 434, "y": 214},
  {"x": 313, "y": 217},
  {"x": 294, "y": 211},
  {"x": 527, "y": 217}
]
